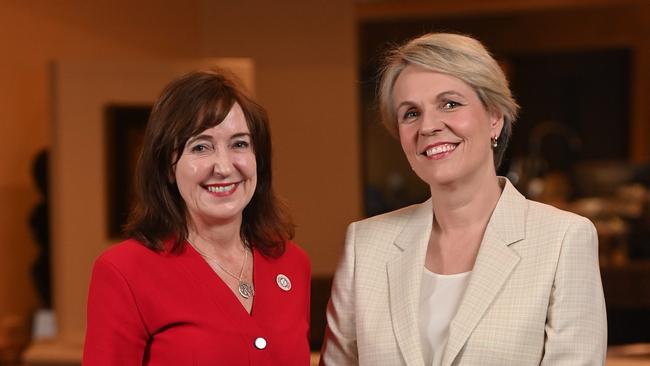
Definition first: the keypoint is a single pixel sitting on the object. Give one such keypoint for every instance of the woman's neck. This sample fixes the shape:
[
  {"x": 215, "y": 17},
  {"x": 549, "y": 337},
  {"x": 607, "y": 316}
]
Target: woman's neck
[
  {"x": 460, "y": 217},
  {"x": 459, "y": 207},
  {"x": 213, "y": 238}
]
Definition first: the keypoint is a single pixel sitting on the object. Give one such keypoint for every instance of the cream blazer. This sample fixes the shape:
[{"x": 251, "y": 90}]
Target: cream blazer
[{"x": 534, "y": 298}]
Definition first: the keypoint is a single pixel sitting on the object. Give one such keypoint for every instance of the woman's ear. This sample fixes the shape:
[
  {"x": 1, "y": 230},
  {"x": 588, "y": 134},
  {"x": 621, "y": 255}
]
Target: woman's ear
[{"x": 496, "y": 123}]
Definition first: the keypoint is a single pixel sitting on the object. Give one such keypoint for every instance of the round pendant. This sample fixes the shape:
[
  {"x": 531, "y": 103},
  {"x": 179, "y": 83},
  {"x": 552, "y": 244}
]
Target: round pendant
[{"x": 246, "y": 289}]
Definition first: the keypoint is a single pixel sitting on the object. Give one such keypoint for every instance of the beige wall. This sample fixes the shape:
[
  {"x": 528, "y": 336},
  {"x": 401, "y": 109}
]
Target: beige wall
[
  {"x": 304, "y": 54},
  {"x": 32, "y": 34}
]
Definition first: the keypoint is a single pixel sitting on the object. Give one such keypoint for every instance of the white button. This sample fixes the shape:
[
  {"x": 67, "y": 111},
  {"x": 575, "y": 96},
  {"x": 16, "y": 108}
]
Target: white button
[{"x": 260, "y": 343}]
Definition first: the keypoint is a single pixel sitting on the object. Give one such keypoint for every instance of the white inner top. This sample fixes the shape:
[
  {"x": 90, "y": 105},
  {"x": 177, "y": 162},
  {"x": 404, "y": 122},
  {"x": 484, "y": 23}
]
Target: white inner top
[{"x": 440, "y": 296}]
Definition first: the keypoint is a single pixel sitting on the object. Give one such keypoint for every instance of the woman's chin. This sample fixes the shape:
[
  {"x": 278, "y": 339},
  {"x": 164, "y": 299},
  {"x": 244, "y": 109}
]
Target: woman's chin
[
  {"x": 440, "y": 179},
  {"x": 221, "y": 216}
]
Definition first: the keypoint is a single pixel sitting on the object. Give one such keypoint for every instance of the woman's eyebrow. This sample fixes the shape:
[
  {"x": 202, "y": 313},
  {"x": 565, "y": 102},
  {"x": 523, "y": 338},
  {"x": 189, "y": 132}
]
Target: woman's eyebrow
[
  {"x": 441, "y": 95},
  {"x": 448, "y": 93},
  {"x": 404, "y": 103},
  {"x": 199, "y": 137},
  {"x": 240, "y": 134}
]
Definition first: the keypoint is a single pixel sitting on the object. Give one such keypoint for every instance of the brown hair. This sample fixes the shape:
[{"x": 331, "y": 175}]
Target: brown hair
[
  {"x": 188, "y": 105},
  {"x": 462, "y": 57}
]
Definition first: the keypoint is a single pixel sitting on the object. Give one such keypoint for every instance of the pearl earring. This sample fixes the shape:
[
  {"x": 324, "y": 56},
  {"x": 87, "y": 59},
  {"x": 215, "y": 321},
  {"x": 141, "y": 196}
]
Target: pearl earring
[{"x": 494, "y": 142}]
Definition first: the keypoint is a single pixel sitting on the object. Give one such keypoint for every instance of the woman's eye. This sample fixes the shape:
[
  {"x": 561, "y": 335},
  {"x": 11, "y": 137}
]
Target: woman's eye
[
  {"x": 241, "y": 144},
  {"x": 199, "y": 148},
  {"x": 450, "y": 104},
  {"x": 410, "y": 114}
]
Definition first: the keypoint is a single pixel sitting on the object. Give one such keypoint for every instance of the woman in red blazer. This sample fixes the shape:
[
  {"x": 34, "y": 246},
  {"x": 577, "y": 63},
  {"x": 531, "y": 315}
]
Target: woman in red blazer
[{"x": 209, "y": 276}]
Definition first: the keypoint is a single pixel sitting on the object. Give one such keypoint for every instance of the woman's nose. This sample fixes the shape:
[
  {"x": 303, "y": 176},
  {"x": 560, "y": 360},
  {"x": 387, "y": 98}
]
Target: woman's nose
[
  {"x": 432, "y": 123},
  {"x": 222, "y": 164}
]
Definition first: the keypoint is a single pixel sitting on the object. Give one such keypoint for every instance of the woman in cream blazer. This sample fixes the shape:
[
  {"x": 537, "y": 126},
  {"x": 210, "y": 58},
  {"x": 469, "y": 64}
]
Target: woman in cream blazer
[{"x": 533, "y": 295}]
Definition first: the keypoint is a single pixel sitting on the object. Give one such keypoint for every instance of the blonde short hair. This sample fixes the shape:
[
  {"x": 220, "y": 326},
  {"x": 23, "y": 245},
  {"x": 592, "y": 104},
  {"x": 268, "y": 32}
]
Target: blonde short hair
[{"x": 457, "y": 55}]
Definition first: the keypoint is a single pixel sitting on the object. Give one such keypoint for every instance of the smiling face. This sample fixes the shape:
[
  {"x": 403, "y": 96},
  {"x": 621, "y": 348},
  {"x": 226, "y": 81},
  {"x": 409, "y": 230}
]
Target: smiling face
[
  {"x": 216, "y": 174},
  {"x": 444, "y": 128}
]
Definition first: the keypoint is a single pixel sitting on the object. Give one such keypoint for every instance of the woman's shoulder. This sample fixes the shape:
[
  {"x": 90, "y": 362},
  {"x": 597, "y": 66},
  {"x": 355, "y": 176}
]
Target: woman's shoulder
[
  {"x": 294, "y": 253},
  {"x": 541, "y": 214},
  {"x": 549, "y": 224},
  {"x": 293, "y": 262},
  {"x": 396, "y": 218},
  {"x": 128, "y": 254},
  {"x": 376, "y": 235},
  {"x": 550, "y": 215}
]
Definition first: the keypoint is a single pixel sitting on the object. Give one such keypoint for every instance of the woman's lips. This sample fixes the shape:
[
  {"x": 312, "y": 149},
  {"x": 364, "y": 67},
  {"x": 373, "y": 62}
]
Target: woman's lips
[
  {"x": 439, "y": 150},
  {"x": 224, "y": 189}
]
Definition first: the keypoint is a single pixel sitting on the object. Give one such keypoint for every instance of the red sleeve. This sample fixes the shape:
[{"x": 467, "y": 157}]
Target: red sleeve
[
  {"x": 115, "y": 334},
  {"x": 308, "y": 270}
]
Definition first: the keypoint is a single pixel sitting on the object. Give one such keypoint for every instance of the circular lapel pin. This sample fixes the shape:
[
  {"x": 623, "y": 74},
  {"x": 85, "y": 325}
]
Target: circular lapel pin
[{"x": 283, "y": 282}]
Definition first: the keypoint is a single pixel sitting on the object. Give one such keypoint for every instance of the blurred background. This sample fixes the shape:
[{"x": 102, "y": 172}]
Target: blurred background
[{"x": 77, "y": 79}]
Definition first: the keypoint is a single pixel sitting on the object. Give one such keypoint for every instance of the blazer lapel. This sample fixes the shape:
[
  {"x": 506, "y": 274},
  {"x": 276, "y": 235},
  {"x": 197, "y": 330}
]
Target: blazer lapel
[
  {"x": 494, "y": 264},
  {"x": 404, "y": 276}
]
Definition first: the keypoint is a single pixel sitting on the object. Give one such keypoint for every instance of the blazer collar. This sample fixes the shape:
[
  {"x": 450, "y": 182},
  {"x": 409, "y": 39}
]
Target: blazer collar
[
  {"x": 509, "y": 216},
  {"x": 494, "y": 264},
  {"x": 404, "y": 276},
  {"x": 412, "y": 232}
]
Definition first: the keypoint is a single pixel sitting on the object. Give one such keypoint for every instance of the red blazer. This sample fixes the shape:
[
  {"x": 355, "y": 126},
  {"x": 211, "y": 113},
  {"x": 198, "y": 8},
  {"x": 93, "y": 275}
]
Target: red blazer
[{"x": 148, "y": 308}]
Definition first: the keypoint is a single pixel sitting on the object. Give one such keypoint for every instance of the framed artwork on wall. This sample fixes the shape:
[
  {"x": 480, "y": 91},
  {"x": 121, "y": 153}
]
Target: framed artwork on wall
[{"x": 125, "y": 125}]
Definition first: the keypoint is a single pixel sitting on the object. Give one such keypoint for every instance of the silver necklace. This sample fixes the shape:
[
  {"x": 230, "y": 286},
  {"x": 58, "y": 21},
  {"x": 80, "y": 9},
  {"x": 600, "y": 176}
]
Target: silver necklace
[{"x": 246, "y": 289}]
